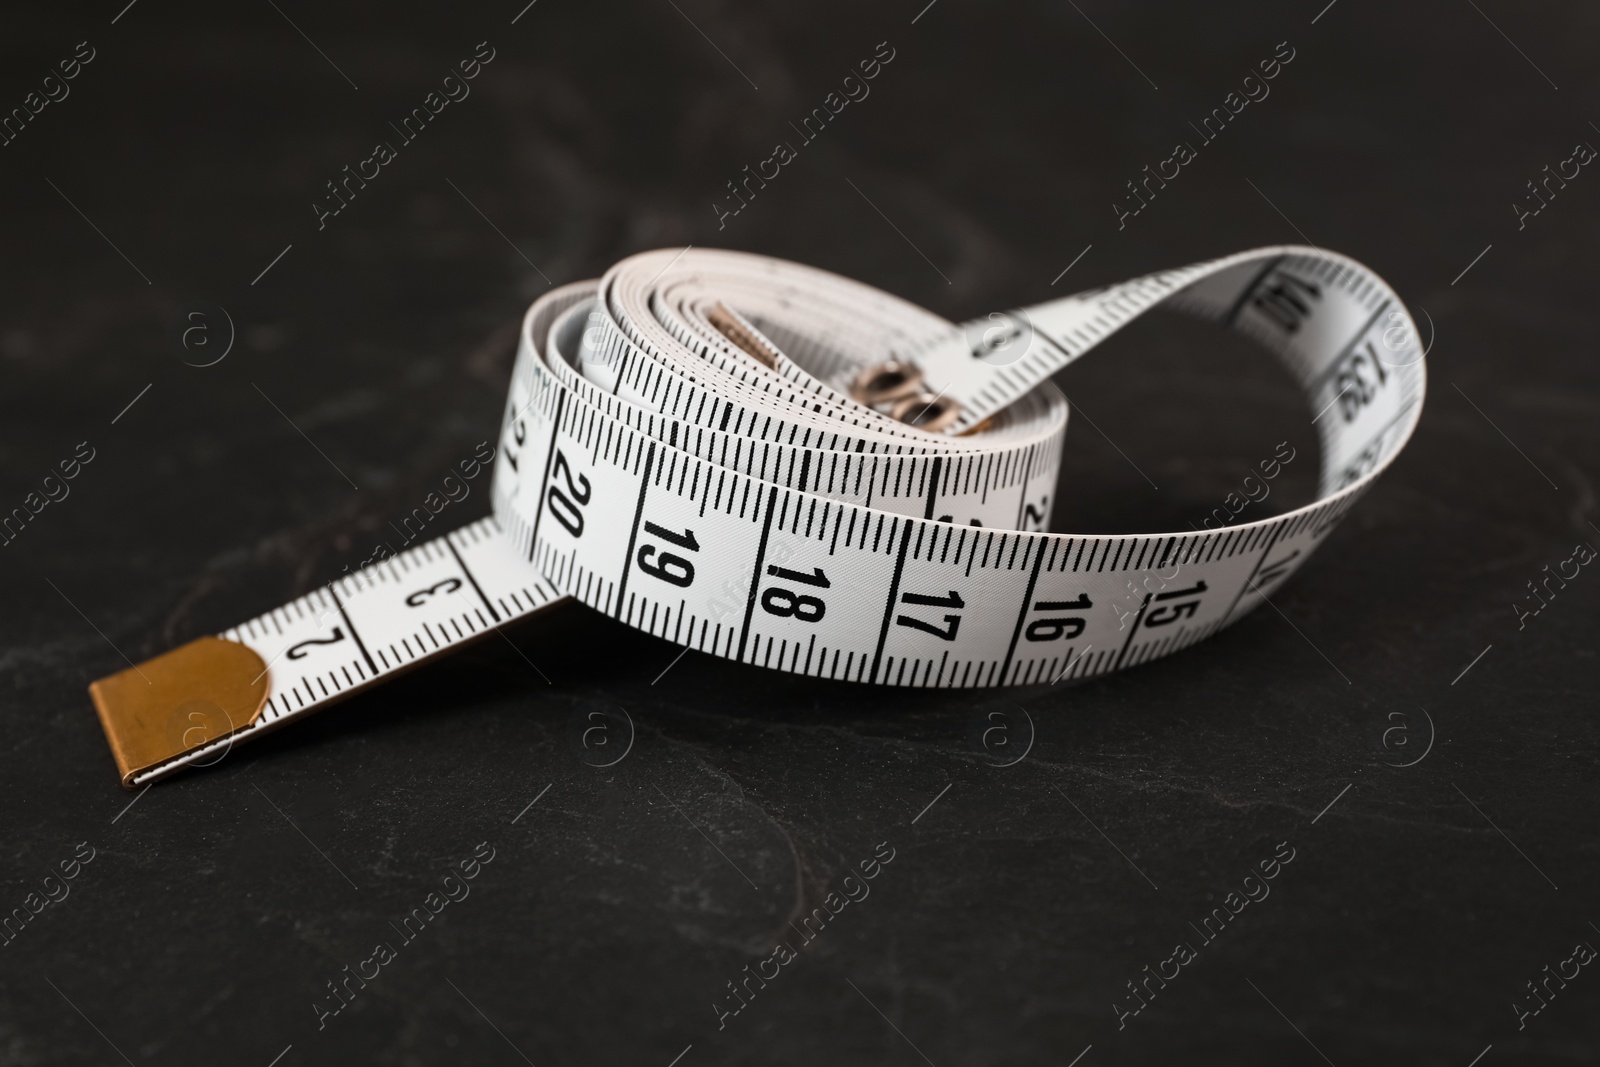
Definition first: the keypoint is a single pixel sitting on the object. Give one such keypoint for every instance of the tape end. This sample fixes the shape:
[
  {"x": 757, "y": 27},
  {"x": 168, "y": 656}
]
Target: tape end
[
  {"x": 195, "y": 694},
  {"x": 736, "y": 328}
]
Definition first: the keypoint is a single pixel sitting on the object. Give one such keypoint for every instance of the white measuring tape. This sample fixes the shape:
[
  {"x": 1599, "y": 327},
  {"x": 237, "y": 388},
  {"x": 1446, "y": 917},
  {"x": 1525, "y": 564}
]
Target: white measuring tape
[{"x": 773, "y": 464}]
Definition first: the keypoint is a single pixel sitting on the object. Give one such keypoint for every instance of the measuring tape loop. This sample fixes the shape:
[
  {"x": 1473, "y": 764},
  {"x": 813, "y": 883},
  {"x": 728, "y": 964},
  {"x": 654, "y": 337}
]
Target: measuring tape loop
[{"x": 777, "y": 465}]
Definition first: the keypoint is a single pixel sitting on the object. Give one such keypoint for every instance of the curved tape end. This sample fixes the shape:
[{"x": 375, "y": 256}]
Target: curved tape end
[{"x": 191, "y": 696}]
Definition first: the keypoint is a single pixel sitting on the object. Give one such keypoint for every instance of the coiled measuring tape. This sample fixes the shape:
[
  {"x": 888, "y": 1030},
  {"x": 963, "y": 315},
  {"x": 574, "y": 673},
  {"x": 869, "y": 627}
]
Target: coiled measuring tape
[{"x": 777, "y": 465}]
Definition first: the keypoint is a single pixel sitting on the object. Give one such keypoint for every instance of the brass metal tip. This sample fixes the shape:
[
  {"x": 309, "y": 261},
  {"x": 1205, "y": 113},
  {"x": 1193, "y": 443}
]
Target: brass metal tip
[
  {"x": 182, "y": 699},
  {"x": 732, "y": 325},
  {"x": 884, "y": 382}
]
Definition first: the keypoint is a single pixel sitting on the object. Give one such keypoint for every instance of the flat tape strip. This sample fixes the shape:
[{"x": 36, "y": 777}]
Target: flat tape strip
[{"x": 734, "y": 498}]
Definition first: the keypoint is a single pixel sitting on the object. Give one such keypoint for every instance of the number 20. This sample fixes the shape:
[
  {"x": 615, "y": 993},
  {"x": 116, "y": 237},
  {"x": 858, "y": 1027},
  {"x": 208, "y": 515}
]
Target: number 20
[{"x": 568, "y": 514}]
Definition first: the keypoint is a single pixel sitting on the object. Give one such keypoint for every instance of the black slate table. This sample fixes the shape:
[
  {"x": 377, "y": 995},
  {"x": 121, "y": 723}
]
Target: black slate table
[{"x": 1410, "y": 754}]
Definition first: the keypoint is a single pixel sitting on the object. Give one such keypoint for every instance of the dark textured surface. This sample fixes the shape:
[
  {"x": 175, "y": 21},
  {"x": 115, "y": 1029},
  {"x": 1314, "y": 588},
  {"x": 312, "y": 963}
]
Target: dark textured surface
[{"x": 617, "y": 907}]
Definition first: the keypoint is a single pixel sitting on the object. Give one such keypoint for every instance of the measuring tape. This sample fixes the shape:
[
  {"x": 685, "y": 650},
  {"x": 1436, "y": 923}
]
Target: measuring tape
[{"x": 780, "y": 466}]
